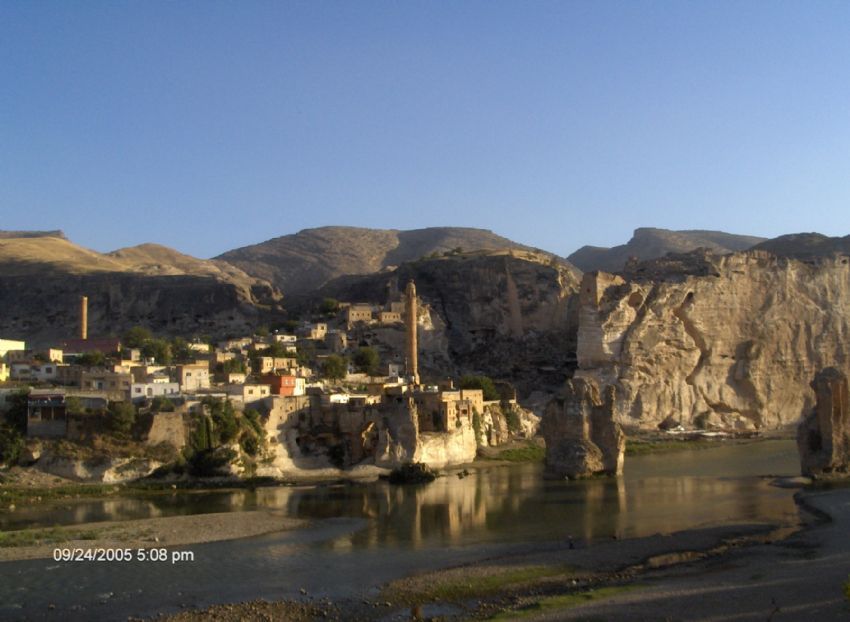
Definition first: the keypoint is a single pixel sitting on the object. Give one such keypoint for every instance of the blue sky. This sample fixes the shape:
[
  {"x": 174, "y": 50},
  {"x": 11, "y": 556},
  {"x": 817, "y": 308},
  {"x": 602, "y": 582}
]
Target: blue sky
[{"x": 210, "y": 125}]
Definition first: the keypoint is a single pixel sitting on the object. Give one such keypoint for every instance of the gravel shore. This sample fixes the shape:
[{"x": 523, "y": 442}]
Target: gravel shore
[{"x": 152, "y": 532}]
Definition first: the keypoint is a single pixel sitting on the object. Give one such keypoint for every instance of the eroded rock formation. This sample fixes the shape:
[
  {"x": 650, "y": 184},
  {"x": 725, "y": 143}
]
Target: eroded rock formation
[
  {"x": 823, "y": 437},
  {"x": 714, "y": 342},
  {"x": 582, "y": 438}
]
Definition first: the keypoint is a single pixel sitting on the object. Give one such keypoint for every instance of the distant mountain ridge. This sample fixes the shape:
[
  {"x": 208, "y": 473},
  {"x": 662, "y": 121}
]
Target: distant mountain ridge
[
  {"x": 43, "y": 276},
  {"x": 650, "y": 243},
  {"x": 306, "y": 260},
  {"x": 56, "y": 233},
  {"x": 805, "y": 245}
]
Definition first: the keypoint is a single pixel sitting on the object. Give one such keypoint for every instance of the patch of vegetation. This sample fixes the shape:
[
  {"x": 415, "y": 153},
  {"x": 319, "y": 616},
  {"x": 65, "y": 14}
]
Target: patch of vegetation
[
  {"x": 532, "y": 452},
  {"x": 366, "y": 360},
  {"x": 70, "y": 491},
  {"x": 452, "y": 589},
  {"x": 847, "y": 588},
  {"x": 335, "y": 367},
  {"x": 122, "y": 417},
  {"x": 11, "y": 444},
  {"x": 564, "y": 601},
  {"x": 512, "y": 419},
  {"x": 50, "y": 535},
  {"x": 637, "y": 447},
  {"x": 485, "y": 383},
  {"x": 476, "y": 425}
]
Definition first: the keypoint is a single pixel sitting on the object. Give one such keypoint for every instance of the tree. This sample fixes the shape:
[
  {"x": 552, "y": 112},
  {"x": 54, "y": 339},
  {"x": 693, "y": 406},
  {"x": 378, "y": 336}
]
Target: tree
[
  {"x": 158, "y": 349},
  {"x": 329, "y": 306},
  {"x": 305, "y": 352},
  {"x": 366, "y": 360},
  {"x": 180, "y": 349},
  {"x": 481, "y": 382},
  {"x": 73, "y": 405},
  {"x": 11, "y": 445},
  {"x": 16, "y": 410},
  {"x": 137, "y": 336},
  {"x": 122, "y": 417},
  {"x": 92, "y": 359},
  {"x": 335, "y": 367},
  {"x": 162, "y": 404},
  {"x": 275, "y": 349}
]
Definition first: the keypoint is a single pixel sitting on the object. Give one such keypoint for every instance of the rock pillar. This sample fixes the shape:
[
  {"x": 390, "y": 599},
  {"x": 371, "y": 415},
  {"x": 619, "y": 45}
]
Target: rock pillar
[
  {"x": 823, "y": 437},
  {"x": 582, "y": 438}
]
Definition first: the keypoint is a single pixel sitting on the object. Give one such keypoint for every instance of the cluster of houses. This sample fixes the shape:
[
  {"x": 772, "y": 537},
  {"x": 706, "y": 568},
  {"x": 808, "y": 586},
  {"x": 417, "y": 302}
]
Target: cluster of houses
[{"x": 286, "y": 386}]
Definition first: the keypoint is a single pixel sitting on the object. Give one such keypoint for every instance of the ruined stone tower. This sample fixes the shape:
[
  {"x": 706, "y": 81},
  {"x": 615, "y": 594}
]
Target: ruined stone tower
[
  {"x": 412, "y": 341},
  {"x": 84, "y": 317}
]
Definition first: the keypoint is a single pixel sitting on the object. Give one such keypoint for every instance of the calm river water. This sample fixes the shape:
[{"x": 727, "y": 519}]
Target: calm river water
[{"x": 361, "y": 535}]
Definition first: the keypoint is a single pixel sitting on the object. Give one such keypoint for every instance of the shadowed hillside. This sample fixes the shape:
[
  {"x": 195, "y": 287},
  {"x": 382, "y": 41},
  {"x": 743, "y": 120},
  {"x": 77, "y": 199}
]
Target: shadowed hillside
[{"x": 306, "y": 260}]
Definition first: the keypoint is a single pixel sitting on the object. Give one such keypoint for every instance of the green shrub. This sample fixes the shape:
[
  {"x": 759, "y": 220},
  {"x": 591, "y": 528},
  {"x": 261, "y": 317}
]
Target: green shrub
[
  {"x": 11, "y": 445},
  {"x": 485, "y": 383},
  {"x": 210, "y": 462},
  {"x": 122, "y": 417},
  {"x": 513, "y": 421}
]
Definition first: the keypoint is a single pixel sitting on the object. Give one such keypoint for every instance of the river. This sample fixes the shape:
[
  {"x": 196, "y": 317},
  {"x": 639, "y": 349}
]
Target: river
[{"x": 363, "y": 534}]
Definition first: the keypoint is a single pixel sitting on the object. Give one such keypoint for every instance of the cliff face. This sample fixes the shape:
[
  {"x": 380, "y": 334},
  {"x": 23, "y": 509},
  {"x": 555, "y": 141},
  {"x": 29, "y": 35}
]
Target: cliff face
[
  {"x": 43, "y": 277},
  {"x": 509, "y": 314},
  {"x": 733, "y": 343},
  {"x": 45, "y": 309}
]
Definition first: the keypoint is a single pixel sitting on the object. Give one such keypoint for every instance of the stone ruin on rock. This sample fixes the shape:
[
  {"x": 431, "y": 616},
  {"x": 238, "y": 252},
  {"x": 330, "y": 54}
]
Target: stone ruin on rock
[
  {"x": 582, "y": 438},
  {"x": 823, "y": 436}
]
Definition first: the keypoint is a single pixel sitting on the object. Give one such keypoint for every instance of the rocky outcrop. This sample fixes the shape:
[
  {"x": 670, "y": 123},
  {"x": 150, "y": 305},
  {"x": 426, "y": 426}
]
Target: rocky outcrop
[
  {"x": 582, "y": 438},
  {"x": 823, "y": 437},
  {"x": 729, "y": 342},
  {"x": 105, "y": 469}
]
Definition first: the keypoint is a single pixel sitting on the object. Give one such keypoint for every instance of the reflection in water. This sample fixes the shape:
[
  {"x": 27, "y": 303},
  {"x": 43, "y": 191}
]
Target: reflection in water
[
  {"x": 499, "y": 504},
  {"x": 361, "y": 535}
]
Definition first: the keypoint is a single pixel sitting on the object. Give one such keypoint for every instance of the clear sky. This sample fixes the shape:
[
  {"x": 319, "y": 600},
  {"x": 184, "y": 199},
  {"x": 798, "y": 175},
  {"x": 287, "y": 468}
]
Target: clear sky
[{"x": 210, "y": 125}]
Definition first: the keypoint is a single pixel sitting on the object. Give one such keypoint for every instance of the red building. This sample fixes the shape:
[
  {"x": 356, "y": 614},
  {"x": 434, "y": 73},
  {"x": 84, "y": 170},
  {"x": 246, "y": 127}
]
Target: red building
[{"x": 285, "y": 385}]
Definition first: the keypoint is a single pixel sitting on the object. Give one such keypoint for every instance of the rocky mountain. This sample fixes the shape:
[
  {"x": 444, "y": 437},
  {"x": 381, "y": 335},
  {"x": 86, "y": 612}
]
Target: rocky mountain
[
  {"x": 306, "y": 260},
  {"x": 650, "y": 243},
  {"x": 43, "y": 276},
  {"x": 715, "y": 341},
  {"x": 805, "y": 245},
  {"x": 508, "y": 314}
]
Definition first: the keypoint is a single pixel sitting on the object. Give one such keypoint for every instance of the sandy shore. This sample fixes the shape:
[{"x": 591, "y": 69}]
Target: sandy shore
[{"x": 151, "y": 532}]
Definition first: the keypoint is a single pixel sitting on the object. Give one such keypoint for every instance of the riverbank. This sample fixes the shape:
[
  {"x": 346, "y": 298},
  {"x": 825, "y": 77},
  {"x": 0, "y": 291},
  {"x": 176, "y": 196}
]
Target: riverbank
[
  {"x": 144, "y": 533},
  {"x": 749, "y": 572}
]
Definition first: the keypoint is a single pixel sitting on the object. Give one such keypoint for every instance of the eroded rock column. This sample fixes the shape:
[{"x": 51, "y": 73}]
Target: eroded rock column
[
  {"x": 582, "y": 438},
  {"x": 823, "y": 437}
]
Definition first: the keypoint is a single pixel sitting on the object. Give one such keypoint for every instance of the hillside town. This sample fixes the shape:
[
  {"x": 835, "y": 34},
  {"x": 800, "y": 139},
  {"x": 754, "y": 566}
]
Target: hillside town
[{"x": 341, "y": 390}]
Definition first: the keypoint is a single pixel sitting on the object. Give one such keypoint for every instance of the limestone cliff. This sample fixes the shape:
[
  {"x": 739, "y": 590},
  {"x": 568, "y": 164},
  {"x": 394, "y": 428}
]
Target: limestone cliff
[{"x": 706, "y": 341}]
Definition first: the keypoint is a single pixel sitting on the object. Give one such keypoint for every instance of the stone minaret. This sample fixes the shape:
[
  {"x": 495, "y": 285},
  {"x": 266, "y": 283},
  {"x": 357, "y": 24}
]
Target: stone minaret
[
  {"x": 412, "y": 345},
  {"x": 84, "y": 317}
]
